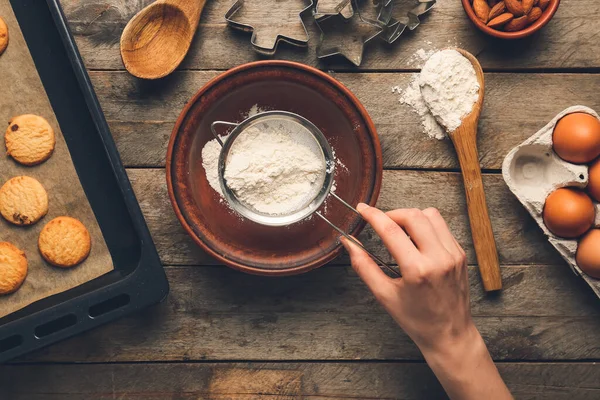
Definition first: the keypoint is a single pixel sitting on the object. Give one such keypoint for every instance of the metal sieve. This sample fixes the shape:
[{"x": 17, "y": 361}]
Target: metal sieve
[{"x": 307, "y": 133}]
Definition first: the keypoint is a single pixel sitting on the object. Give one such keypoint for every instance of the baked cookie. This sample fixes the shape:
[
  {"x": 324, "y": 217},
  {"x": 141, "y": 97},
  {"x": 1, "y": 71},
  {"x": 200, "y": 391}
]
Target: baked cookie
[
  {"x": 64, "y": 242},
  {"x": 23, "y": 201},
  {"x": 29, "y": 139},
  {"x": 3, "y": 36},
  {"x": 13, "y": 268}
]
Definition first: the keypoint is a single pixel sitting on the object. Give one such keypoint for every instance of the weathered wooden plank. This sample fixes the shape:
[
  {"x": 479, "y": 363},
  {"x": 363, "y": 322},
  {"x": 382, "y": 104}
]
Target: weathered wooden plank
[
  {"x": 554, "y": 381},
  {"x": 569, "y": 41},
  {"x": 533, "y": 291},
  {"x": 519, "y": 238},
  {"x": 214, "y": 313},
  {"x": 142, "y": 114}
]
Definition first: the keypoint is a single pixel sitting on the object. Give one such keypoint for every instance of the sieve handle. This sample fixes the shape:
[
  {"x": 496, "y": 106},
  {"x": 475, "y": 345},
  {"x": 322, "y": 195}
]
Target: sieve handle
[
  {"x": 214, "y": 132},
  {"x": 391, "y": 270}
]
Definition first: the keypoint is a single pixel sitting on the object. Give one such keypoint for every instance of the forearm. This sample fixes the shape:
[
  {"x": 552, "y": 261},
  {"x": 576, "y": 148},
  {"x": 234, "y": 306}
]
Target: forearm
[{"x": 465, "y": 369}]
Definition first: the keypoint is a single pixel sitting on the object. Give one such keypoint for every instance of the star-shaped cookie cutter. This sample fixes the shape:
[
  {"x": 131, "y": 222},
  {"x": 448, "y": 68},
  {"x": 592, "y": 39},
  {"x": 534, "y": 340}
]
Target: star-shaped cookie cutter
[
  {"x": 269, "y": 46},
  {"x": 327, "y": 8},
  {"x": 348, "y": 36}
]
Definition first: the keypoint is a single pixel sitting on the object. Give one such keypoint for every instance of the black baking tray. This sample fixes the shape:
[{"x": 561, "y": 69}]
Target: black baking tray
[{"x": 138, "y": 279}]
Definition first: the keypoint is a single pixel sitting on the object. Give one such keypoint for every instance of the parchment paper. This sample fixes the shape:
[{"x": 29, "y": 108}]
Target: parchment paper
[{"x": 21, "y": 92}]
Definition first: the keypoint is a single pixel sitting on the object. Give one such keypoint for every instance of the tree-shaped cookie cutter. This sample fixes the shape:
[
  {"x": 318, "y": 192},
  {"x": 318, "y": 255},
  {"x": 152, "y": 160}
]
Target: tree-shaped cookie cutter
[
  {"x": 345, "y": 29},
  {"x": 253, "y": 16}
]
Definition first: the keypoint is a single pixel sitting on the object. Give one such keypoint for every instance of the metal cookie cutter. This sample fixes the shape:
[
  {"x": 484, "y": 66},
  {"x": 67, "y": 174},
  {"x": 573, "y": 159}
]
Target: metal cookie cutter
[
  {"x": 308, "y": 134},
  {"x": 401, "y": 15},
  {"x": 254, "y": 16},
  {"x": 325, "y": 8},
  {"x": 348, "y": 36}
]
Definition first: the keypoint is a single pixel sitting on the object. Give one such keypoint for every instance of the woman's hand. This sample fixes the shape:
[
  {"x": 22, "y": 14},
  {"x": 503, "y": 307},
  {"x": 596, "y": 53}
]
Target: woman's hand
[{"x": 431, "y": 300}]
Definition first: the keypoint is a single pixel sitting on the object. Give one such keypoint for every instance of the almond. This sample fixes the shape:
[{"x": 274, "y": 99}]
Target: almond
[
  {"x": 500, "y": 20},
  {"x": 497, "y": 10},
  {"x": 527, "y": 6},
  {"x": 517, "y": 24},
  {"x": 482, "y": 10},
  {"x": 534, "y": 14},
  {"x": 514, "y": 7},
  {"x": 543, "y": 4}
]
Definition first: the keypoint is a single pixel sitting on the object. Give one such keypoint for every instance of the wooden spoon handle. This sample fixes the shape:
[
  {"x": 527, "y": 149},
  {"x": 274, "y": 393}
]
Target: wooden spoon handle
[
  {"x": 481, "y": 226},
  {"x": 191, "y": 8}
]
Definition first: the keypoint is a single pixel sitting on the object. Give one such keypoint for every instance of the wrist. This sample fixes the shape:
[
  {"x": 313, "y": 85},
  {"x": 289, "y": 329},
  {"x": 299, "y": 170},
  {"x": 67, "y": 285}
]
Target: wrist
[
  {"x": 458, "y": 354},
  {"x": 465, "y": 369}
]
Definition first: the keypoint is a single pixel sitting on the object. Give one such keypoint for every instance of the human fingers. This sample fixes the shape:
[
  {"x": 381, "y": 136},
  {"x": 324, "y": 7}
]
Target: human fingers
[
  {"x": 443, "y": 232},
  {"x": 392, "y": 235},
  {"x": 377, "y": 281},
  {"x": 419, "y": 228}
]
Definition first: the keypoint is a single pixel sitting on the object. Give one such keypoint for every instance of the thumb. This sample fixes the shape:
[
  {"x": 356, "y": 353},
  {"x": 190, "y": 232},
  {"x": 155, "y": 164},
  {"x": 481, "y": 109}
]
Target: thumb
[{"x": 366, "y": 268}]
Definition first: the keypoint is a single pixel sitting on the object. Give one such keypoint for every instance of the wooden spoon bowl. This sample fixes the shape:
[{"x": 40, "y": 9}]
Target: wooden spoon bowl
[
  {"x": 157, "y": 39},
  {"x": 472, "y": 119}
]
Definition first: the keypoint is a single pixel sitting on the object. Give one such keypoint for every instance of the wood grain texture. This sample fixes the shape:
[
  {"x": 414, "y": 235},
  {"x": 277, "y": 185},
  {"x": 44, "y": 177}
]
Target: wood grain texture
[
  {"x": 260, "y": 381},
  {"x": 569, "y": 40},
  {"x": 157, "y": 39},
  {"x": 519, "y": 238},
  {"x": 464, "y": 139},
  {"x": 214, "y": 313},
  {"x": 142, "y": 114},
  {"x": 482, "y": 233}
]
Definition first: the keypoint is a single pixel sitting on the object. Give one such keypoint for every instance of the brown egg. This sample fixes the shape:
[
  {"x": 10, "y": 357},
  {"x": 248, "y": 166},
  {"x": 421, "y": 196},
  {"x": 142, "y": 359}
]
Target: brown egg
[
  {"x": 576, "y": 138},
  {"x": 569, "y": 213},
  {"x": 594, "y": 180},
  {"x": 588, "y": 253}
]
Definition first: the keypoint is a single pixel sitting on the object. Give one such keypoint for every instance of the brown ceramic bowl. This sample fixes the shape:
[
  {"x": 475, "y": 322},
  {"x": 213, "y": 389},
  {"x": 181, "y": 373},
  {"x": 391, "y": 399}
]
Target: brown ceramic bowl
[
  {"x": 530, "y": 30},
  {"x": 278, "y": 85}
]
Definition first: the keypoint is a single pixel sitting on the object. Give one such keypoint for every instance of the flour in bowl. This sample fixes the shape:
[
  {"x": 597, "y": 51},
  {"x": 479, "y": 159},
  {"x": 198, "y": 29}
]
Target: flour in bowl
[
  {"x": 210, "y": 161},
  {"x": 212, "y": 150},
  {"x": 272, "y": 171}
]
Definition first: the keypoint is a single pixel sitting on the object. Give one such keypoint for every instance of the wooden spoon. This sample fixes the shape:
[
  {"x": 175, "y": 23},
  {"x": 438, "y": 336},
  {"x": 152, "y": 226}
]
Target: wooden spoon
[
  {"x": 157, "y": 38},
  {"x": 465, "y": 143}
]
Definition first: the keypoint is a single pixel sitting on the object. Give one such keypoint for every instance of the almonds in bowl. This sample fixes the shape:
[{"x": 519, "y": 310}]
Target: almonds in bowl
[{"x": 510, "y": 19}]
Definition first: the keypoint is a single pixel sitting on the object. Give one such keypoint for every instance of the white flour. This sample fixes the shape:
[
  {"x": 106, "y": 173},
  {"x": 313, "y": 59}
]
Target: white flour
[
  {"x": 210, "y": 161},
  {"x": 212, "y": 150},
  {"x": 420, "y": 56},
  {"x": 271, "y": 171},
  {"x": 255, "y": 109},
  {"x": 449, "y": 86},
  {"x": 413, "y": 97}
]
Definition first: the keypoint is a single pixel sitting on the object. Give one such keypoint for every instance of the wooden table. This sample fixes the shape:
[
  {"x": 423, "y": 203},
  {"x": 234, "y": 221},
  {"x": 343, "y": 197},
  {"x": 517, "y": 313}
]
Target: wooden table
[{"x": 222, "y": 334}]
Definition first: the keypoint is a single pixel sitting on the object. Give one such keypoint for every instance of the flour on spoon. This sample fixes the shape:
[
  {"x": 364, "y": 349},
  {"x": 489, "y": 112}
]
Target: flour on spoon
[
  {"x": 450, "y": 82},
  {"x": 449, "y": 86}
]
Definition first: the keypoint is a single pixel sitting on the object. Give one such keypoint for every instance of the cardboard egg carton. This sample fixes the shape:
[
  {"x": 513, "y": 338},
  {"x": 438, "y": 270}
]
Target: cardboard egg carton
[{"x": 533, "y": 170}]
